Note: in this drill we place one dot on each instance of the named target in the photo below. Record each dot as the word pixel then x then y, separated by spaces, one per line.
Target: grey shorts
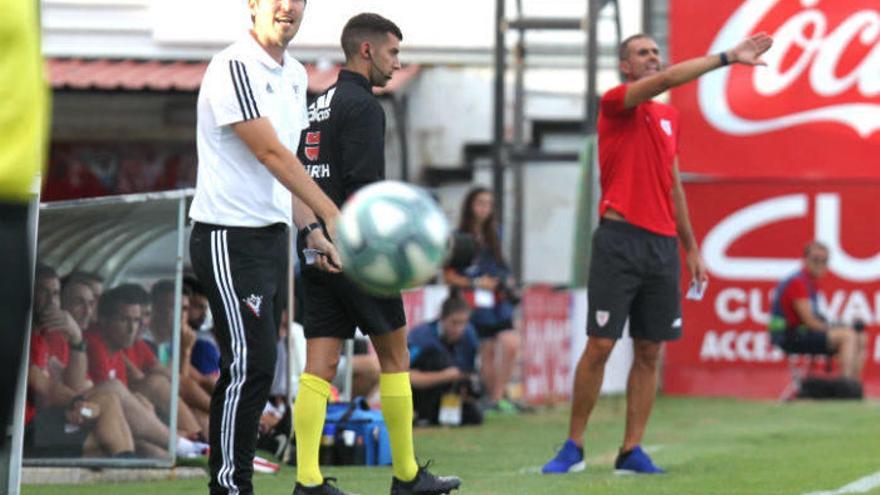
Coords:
pixel 634 274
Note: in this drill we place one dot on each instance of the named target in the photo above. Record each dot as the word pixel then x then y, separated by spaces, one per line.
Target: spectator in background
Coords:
pixel 205 357
pixel 443 357
pixel 195 388
pixel 65 416
pixel 148 363
pixel 488 282
pixel 118 324
pixel 797 326
pixel 70 177
pixel 78 299
pixel 95 282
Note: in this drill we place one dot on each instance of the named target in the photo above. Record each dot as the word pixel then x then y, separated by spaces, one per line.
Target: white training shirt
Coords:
pixel 243 82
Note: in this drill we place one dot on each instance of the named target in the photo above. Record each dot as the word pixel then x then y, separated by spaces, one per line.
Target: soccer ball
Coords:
pixel 391 236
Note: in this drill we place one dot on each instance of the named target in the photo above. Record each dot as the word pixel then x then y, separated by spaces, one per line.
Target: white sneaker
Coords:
pixel 189 449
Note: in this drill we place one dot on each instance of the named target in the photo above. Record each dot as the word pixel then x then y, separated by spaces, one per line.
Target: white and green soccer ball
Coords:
pixel 391 236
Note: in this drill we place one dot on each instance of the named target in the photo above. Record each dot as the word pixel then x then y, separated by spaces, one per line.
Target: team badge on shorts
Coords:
pixel 602 317
pixel 253 302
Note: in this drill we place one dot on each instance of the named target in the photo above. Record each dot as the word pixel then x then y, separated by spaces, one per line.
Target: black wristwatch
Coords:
pixel 79 347
pixel 305 231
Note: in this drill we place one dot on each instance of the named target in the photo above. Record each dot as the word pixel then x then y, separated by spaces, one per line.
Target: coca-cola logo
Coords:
pixel 824 67
pixel 827 224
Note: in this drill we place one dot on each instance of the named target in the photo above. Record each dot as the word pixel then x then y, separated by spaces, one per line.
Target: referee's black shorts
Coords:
pixel 634 273
pixel 333 307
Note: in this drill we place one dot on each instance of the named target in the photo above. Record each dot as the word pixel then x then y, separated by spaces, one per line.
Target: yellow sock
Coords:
pixel 309 412
pixel 397 408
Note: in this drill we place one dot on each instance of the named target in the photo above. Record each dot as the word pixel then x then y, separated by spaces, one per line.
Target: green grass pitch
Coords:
pixel 708 446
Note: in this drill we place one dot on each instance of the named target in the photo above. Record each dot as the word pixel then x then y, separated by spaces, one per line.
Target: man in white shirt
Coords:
pixel 251 111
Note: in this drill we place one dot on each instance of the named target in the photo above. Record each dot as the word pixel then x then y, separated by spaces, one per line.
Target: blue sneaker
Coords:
pixel 636 461
pixel 569 459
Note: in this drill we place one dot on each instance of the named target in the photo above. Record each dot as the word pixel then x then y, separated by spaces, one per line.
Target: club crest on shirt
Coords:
pixel 602 317
pixel 313 149
pixel 253 302
pixel 666 125
pixel 269 88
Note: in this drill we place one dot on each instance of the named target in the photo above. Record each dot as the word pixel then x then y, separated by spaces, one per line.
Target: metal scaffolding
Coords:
pixel 514 154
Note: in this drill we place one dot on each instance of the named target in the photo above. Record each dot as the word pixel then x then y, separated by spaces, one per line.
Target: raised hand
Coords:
pixel 58 320
pixel 749 50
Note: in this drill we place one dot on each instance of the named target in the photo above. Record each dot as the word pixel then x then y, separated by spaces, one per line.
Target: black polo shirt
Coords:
pixel 344 147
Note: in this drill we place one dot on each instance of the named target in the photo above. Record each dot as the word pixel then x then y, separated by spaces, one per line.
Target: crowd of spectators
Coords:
pixel 100 373
pixel 96 384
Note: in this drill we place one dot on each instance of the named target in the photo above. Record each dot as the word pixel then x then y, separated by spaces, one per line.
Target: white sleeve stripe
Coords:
pixel 244 111
pixel 247 93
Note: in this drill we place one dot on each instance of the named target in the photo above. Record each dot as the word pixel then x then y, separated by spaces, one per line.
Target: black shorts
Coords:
pixel 634 274
pixel 49 435
pixel 333 307
pixel 796 341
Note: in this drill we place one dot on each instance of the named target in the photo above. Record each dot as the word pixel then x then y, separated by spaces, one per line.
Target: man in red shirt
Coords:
pixel 634 272
pixel 797 326
pixel 119 320
pixel 78 299
pixel 65 416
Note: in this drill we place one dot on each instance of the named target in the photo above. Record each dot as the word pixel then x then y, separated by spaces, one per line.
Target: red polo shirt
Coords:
pixel 801 286
pixel 141 355
pixel 45 346
pixel 637 149
pixel 104 364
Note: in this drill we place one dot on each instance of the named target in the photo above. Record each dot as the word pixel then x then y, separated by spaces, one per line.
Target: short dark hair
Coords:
pixel 363 26
pixel 67 284
pixel 814 245
pixel 453 304
pixel 126 294
pixel 42 271
pixel 83 276
pixel 137 292
pixel 623 50
pixel 191 283
pixel 161 288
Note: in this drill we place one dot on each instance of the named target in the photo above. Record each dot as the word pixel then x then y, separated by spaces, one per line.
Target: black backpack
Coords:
pixel 830 388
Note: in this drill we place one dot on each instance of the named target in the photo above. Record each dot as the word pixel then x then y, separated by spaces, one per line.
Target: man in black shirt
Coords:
pixel 343 150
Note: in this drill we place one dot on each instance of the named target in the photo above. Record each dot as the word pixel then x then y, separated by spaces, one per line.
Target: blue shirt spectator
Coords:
pixel 427 338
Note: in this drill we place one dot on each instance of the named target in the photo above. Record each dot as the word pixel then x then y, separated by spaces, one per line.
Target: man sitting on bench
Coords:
pixel 797 326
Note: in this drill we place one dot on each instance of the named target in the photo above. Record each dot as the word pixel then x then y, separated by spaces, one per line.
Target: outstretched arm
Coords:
pixel 748 52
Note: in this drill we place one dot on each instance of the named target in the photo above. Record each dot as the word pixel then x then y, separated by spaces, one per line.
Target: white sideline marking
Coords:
pixel 861 485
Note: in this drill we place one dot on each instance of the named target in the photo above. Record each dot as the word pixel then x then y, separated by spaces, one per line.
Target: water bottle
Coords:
pixel 345 451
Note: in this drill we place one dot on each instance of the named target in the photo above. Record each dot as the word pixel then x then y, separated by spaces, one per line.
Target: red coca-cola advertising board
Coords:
pixel 752 234
pixel 812 112
pixel 546 344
